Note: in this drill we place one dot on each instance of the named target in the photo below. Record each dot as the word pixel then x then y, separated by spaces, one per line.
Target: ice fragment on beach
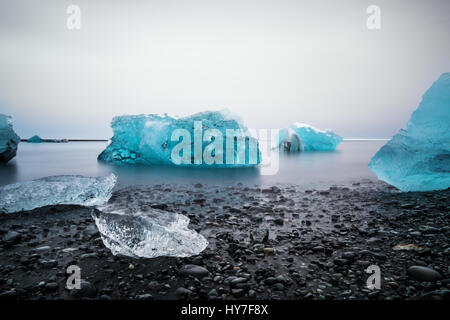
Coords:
pixel 303 137
pixel 8 139
pixel 77 190
pixel 418 158
pixel 146 232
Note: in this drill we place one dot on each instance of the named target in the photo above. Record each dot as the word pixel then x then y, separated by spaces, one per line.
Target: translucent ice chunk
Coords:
pixel 146 232
pixel 8 139
pixel 303 137
pixel 78 190
pixel 418 158
pixel 147 139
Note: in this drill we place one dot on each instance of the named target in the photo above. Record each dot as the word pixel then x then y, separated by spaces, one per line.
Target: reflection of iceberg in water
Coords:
pixel 8 173
pixel 303 137
pixel 144 175
pixel 132 228
pixel 418 158
pixel 77 190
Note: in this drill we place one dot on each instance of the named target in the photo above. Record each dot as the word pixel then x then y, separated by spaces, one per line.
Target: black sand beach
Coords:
pixel 274 243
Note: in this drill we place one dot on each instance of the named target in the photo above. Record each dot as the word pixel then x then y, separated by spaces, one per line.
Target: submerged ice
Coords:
pixel 303 137
pixel 77 190
pixel 418 158
pixel 153 139
pixel 146 232
pixel 9 140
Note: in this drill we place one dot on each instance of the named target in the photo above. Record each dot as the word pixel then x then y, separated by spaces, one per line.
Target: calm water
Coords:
pixel 316 169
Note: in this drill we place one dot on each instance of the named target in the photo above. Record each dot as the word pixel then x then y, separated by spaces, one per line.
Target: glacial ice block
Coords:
pixel 418 158
pixel 147 139
pixel 77 190
pixel 146 232
pixel 303 137
pixel 9 140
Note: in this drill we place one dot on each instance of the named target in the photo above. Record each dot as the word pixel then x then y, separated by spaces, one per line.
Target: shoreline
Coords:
pixel 319 244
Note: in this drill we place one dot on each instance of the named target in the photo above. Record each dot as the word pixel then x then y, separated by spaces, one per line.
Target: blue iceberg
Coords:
pixel 418 158
pixel 37 139
pixel 77 190
pixel 9 140
pixel 205 139
pixel 303 137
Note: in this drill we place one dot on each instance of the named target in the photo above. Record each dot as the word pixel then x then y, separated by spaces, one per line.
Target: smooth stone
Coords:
pixel 424 274
pixel 193 270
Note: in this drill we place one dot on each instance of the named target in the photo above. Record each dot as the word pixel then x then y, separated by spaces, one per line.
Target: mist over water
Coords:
pixel 346 165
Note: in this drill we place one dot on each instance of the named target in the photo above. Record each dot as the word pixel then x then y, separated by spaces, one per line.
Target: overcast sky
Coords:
pixel 272 62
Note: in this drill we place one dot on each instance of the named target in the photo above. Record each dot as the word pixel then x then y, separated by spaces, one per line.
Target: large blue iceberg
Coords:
pixel 77 190
pixel 418 158
pixel 9 140
pixel 205 139
pixel 303 137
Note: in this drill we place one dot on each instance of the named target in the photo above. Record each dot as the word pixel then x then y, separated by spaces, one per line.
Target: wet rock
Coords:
pixel 51 286
pixel 259 235
pixel 279 286
pixel 443 294
pixel 43 249
pixel 49 263
pixel 146 296
pixel 11 238
pixel 213 293
pixel 237 292
pixel 183 292
pixel 91 231
pixel 269 251
pixel 424 274
pixel 193 270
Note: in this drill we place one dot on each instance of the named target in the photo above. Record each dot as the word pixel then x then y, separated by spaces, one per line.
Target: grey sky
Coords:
pixel 272 62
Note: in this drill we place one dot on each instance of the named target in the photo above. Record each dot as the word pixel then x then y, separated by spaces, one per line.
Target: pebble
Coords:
pixel 424 274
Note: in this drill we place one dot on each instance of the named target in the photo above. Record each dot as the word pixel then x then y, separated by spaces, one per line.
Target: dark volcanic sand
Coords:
pixel 319 245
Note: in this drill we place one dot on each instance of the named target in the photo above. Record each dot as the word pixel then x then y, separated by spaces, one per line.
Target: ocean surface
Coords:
pixel 346 165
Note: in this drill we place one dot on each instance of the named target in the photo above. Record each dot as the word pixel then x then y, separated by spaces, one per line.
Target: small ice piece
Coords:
pixel 35 139
pixel 76 190
pixel 147 139
pixel 8 139
pixel 418 158
pixel 146 232
pixel 303 137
